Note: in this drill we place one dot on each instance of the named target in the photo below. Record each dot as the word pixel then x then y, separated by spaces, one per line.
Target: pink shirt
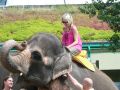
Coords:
pixel 68 38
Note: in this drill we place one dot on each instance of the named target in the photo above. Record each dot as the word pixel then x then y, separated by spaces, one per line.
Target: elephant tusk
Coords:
pixel 21 74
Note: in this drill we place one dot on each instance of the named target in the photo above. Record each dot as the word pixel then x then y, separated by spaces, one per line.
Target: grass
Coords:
pixel 21 30
pixel 21 25
pixel 92 34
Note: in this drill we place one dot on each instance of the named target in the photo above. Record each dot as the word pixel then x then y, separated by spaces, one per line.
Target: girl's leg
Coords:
pixel 74 51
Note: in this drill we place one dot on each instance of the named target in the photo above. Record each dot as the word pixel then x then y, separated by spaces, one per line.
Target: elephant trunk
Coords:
pixel 9 61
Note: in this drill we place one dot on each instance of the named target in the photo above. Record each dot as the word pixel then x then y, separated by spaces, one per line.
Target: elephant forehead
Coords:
pixel 48 60
pixel 46 42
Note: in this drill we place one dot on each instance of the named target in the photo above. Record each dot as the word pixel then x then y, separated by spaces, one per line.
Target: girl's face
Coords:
pixel 65 22
pixel 9 82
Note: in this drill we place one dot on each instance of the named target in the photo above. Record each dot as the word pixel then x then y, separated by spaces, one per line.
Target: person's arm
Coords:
pixel 75 82
pixel 75 32
pixel 63 40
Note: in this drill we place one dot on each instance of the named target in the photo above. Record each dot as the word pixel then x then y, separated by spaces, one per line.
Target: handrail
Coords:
pixel 90 46
pixel 94 46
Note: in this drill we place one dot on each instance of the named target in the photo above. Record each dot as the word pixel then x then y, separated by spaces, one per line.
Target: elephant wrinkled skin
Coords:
pixel 43 61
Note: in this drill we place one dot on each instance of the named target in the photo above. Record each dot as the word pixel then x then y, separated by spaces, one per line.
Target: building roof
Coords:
pixel 2 2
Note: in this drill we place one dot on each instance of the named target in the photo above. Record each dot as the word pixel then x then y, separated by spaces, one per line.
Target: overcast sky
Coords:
pixel 46 2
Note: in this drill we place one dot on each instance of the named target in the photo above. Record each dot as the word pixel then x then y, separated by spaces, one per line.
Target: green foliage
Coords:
pixel 108 12
pixel 21 30
pixel 92 34
pixel 21 25
pixel 88 9
pixel 114 42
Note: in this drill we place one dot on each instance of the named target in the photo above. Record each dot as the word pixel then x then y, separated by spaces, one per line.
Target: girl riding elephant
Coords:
pixel 70 36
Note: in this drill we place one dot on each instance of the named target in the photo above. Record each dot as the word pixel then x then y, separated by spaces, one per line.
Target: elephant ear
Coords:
pixel 62 65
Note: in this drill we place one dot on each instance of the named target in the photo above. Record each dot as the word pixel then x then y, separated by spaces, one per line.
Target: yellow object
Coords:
pixel 82 58
pixel 83 53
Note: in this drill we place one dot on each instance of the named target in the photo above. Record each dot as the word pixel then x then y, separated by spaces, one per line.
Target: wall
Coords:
pixel 107 60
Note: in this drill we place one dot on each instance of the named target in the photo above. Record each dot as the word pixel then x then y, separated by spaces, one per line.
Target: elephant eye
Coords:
pixel 36 56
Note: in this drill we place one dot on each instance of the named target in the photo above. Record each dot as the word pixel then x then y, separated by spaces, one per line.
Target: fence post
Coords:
pixel 97 63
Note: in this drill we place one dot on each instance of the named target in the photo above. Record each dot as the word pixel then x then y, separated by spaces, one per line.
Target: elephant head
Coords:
pixel 41 59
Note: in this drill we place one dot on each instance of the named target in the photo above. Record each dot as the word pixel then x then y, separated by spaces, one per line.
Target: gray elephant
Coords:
pixel 3 73
pixel 43 61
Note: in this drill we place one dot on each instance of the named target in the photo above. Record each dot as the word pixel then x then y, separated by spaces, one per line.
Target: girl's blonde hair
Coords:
pixel 67 17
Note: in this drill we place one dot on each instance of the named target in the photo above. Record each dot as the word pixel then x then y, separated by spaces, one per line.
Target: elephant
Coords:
pixel 4 73
pixel 42 61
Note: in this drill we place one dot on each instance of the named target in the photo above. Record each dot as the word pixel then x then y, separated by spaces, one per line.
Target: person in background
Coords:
pixel 7 83
pixel 70 36
pixel 87 83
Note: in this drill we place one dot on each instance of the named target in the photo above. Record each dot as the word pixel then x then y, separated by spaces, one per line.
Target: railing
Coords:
pixel 90 46
pixel 94 46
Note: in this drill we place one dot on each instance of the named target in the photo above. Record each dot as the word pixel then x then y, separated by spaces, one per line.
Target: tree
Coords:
pixel 109 12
